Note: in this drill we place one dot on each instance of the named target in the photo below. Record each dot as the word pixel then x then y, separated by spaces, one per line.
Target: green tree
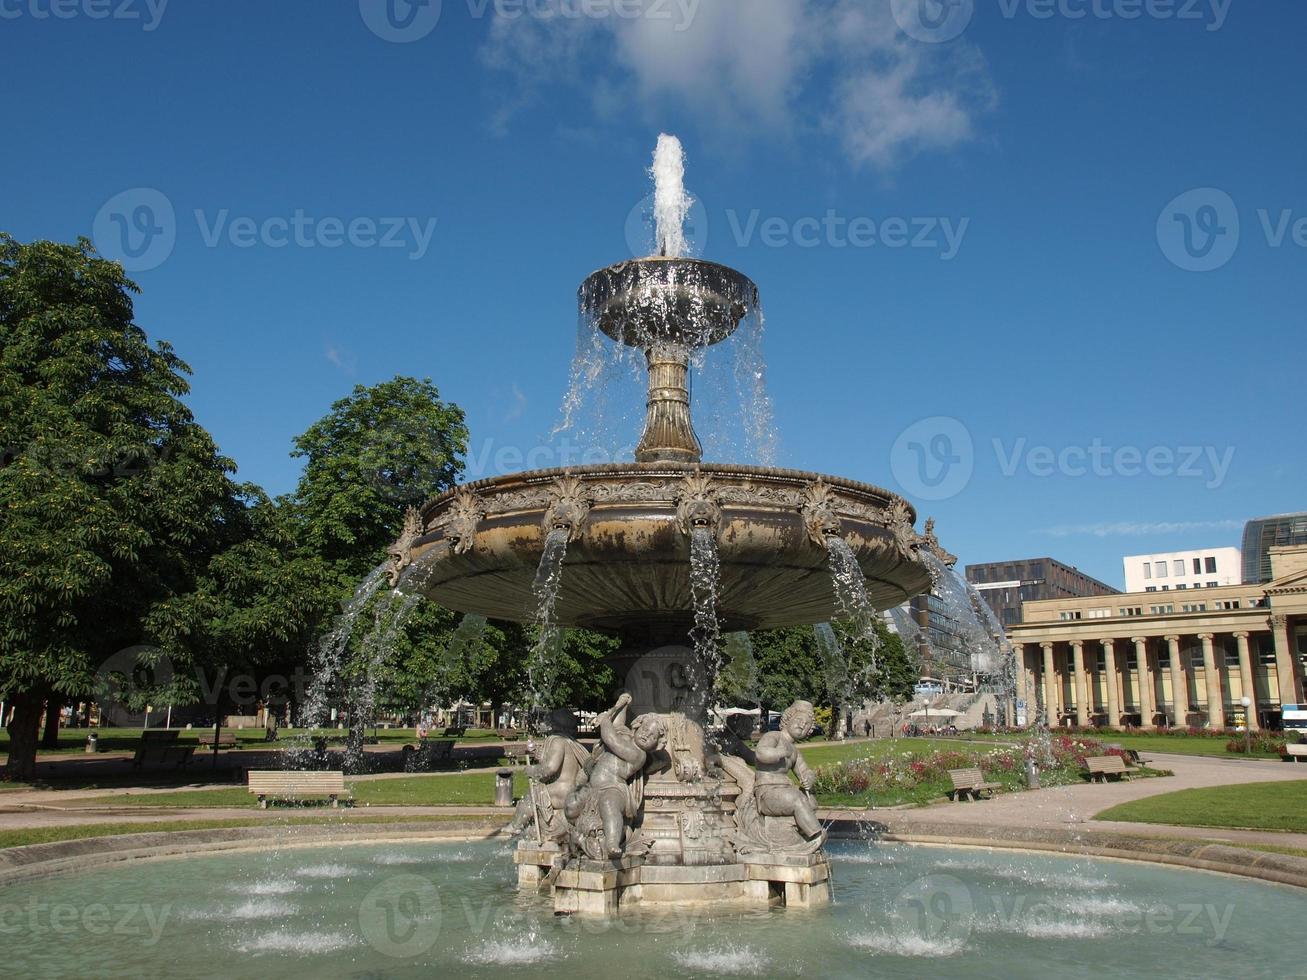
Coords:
pixel 113 497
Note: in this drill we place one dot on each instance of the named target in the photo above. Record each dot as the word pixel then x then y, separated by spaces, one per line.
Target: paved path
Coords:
pixel 1066 807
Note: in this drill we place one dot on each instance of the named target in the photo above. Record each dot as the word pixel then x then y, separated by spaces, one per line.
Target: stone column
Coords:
pixel 1147 708
pixel 1050 687
pixel 1113 701
pixel 1284 665
pixel 1246 680
pixel 1179 686
pixel 1081 687
pixel 1212 671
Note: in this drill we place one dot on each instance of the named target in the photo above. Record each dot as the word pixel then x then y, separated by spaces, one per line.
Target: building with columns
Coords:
pixel 1152 659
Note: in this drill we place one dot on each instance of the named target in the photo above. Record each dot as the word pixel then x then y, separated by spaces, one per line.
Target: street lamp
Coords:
pixel 1246 701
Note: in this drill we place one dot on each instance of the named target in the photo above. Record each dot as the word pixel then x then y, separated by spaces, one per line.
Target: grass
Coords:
pixel 456 789
pixel 825 753
pixel 47 835
pixel 1248 806
pixel 1144 742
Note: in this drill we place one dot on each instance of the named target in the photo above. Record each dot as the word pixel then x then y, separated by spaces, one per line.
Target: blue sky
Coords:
pixel 1078 356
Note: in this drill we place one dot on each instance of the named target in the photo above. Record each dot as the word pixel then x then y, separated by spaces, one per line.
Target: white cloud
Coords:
pixel 1137 529
pixel 342 358
pixel 754 66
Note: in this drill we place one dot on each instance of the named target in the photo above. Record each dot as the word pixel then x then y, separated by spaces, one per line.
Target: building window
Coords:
pixel 1232 658
pixel 1198 567
pixel 1211 585
pixel 1164 659
pixel 1148 569
pixel 1150 588
pixel 1211 565
pixel 1196 659
pixel 1178 566
pixel 1132 611
pixel 1182 586
pixel 1161 610
pixel 1160 569
pixel 1100 662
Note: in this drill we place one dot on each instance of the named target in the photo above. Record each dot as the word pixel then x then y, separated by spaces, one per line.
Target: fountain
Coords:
pixel 668 553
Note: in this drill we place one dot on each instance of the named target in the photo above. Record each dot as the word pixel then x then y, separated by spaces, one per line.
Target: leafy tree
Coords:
pixel 113 497
pixel 382 449
pixel 789 667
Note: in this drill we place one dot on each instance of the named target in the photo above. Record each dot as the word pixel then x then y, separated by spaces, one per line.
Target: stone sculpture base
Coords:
pixel 585 887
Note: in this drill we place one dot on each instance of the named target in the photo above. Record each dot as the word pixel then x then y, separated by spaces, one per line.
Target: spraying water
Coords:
pixel 671 202
pixel 851 600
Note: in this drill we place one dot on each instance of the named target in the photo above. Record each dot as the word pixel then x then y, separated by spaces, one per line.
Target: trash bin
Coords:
pixel 504 787
pixel 92 743
pixel 1032 774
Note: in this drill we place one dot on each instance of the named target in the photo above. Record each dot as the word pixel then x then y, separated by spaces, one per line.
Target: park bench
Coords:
pixel 507 734
pixel 1294 751
pixel 970 782
pixel 518 753
pixel 161 747
pixel 1101 768
pixel 427 754
pixel 226 740
pixel 295 785
pixel 455 731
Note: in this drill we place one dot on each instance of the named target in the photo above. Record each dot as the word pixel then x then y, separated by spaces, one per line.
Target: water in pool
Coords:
pixel 436 910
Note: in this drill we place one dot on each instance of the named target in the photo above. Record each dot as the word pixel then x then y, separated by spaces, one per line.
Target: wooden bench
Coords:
pixel 295 785
pixel 160 746
pixel 1295 751
pixel 517 753
pixel 970 782
pixel 507 734
pixel 1101 768
pixel 455 731
pixel 226 740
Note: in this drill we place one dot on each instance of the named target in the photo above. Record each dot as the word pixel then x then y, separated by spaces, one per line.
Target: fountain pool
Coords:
pixel 418 909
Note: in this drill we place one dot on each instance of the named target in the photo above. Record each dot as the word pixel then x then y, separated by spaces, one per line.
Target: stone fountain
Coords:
pixel 663 810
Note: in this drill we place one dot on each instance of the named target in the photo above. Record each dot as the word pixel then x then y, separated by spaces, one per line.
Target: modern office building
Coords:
pixel 1007 584
pixel 1170 571
pixel 1261 534
pixel 1187 658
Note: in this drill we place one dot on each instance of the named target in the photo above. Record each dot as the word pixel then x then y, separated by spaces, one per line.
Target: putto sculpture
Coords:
pixel 665 553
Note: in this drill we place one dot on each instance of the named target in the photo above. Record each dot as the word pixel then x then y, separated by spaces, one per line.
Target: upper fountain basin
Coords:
pixel 476 549
pixel 669 300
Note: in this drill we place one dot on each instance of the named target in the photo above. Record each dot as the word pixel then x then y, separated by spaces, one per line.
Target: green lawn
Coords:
pixel 455 789
pixel 1251 806
pixel 825 753
pixel 46 835
pixel 1143 742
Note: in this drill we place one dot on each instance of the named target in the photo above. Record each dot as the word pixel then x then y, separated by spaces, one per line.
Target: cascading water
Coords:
pixel 851 600
pixel 391 613
pixel 546 656
pixel 705 572
pixel 839 682
pixel 738 680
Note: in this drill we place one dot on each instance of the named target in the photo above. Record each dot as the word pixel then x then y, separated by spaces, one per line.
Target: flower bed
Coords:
pixel 921 776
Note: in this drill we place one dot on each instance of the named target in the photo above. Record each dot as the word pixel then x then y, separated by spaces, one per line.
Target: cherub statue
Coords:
pixel 560 760
pixel 609 793
pixel 776 754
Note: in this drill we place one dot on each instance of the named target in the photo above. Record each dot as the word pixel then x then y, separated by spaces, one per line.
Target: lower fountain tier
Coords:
pixel 477 549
